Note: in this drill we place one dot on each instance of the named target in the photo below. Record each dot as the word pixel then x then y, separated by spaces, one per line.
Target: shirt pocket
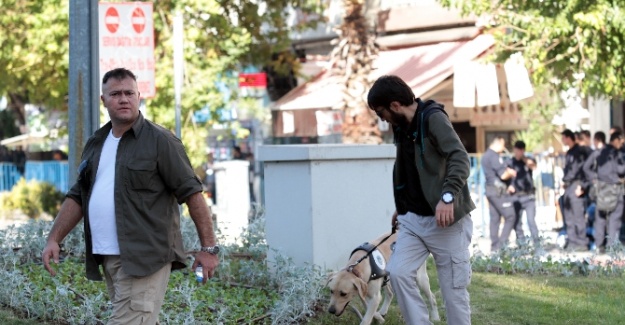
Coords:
pixel 141 173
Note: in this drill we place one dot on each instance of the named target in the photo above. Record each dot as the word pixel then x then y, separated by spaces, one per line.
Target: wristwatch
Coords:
pixel 447 197
pixel 214 250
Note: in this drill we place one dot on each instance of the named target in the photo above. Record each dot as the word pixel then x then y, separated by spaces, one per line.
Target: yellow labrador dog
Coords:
pixel 367 279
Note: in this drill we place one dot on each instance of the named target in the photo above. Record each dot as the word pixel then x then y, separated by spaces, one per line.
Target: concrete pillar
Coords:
pixel 232 205
pixel 322 201
pixel 599 109
pixel 617 113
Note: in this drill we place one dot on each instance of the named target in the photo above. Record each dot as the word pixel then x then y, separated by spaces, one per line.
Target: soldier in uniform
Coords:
pixel 500 202
pixel 598 140
pixel 619 129
pixel 573 202
pixel 522 188
pixel 607 167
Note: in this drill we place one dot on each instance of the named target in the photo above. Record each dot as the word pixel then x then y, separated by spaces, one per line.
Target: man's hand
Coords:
pixel 508 174
pixel 511 189
pixel 394 221
pixel 444 214
pixel 51 250
pixel 579 191
pixel 208 262
pixel 68 217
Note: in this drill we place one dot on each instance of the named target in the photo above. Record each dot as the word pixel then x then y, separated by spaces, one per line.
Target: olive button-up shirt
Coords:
pixel 153 176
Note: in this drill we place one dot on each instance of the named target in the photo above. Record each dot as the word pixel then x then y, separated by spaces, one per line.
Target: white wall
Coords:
pixel 233 197
pixel 599 118
pixel 322 201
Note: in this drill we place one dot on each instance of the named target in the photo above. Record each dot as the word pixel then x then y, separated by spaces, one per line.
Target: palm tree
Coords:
pixel 352 61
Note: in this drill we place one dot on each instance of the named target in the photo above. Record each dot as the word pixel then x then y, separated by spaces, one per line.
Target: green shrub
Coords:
pixel 246 287
pixel 32 198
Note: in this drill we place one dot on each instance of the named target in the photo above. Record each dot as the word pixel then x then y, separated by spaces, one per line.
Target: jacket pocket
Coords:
pixel 140 174
pixel 460 270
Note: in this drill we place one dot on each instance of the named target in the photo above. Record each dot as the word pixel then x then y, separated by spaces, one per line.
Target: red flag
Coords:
pixel 253 80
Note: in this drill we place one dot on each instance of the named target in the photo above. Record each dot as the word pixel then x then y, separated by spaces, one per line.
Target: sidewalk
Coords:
pixel 545 218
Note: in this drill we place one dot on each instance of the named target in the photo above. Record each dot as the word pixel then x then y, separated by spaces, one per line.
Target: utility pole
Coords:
pixel 84 75
pixel 178 68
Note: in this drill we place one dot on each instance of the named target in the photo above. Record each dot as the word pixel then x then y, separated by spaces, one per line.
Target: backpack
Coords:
pixel 428 108
pixel 423 128
pixel 604 195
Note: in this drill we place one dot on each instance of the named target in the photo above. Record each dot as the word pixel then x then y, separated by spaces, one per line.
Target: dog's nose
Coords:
pixel 332 310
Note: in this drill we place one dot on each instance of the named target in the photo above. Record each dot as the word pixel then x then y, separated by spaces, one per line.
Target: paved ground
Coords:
pixel 545 217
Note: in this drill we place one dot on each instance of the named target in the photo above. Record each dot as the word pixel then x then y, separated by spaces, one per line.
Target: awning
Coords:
pixel 24 140
pixel 421 67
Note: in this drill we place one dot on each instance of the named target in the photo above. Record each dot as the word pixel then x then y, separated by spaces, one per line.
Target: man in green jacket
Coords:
pixel 432 200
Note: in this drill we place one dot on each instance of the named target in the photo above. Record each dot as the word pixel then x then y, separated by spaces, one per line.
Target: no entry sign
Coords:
pixel 127 41
pixel 111 20
pixel 138 20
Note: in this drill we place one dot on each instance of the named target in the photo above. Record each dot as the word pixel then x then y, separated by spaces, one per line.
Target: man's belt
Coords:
pixel 569 183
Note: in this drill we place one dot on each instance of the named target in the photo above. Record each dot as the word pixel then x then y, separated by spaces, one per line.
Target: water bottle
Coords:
pixel 199 275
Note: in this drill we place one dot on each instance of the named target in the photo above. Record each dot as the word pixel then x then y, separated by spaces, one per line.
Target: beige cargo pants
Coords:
pixel 136 300
pixel 418 236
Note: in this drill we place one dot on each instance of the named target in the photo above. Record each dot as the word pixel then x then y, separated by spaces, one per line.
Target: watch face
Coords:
pixel 447 197
pixel 215 250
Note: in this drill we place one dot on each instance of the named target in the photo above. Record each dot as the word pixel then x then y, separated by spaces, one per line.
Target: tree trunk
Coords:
pixel 352 60
pixel 17 104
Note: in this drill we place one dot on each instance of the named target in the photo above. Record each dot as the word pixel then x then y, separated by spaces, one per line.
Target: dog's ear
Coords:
pixel 361 286
pixel 330 277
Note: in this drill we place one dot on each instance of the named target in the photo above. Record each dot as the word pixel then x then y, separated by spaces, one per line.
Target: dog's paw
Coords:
pixel 378 317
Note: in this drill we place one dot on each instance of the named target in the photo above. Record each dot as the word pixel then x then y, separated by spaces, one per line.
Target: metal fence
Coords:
pixel 53 172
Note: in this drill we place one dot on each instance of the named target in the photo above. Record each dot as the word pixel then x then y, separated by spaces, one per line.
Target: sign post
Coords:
pixel 178 69
pixel 84 80
pixel 127 41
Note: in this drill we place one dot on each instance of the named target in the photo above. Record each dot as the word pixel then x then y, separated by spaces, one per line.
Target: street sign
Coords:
pixel 127 41
pixel 138 20
pixel 253 80
pixel 111 20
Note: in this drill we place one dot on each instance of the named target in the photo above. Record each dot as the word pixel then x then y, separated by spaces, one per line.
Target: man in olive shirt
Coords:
pixel 133 175
pixel 432 200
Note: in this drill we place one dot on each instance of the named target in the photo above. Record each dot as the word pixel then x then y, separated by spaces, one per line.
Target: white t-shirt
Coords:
pixel 102 202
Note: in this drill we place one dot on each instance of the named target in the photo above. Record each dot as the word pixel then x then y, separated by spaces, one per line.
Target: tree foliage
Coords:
pixel 575 43
pixel 220 38
pixel 34 53
pixel 539 111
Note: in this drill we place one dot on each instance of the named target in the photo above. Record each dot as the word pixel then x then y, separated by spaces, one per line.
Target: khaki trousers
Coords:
pixel 418 236
pixel 136 300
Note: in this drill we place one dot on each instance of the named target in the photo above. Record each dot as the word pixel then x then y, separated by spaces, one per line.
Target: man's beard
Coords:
pixel 398 120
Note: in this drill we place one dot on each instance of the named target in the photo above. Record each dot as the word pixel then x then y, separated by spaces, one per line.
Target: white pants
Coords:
pixel 418 236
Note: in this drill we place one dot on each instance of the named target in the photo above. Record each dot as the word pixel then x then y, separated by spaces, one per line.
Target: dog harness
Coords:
pixel 376 260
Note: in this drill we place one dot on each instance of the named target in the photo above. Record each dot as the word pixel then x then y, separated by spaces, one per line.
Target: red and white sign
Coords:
pixel 127 41
pixel 111 20
pixel 253 80
pixel 138 20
